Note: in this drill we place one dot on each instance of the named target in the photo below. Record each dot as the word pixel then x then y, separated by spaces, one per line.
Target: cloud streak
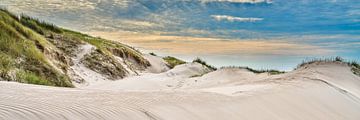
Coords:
pixel 187 45
pixel 241 1
pixel 235 19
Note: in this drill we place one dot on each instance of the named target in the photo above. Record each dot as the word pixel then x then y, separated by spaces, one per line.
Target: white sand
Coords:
pixel 323 91
pixel 80 71
pixel 154 81
pixel 158 65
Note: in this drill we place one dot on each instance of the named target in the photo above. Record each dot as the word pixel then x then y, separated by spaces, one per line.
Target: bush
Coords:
pixel 153 54
pixel 198 60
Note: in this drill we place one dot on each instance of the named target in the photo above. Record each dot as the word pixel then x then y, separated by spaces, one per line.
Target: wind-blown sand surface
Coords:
pixel 323 90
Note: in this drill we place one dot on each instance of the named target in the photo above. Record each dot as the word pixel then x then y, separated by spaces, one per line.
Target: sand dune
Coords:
pixel 323 90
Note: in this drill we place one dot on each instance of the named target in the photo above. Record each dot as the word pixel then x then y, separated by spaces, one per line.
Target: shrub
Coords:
pixel 153 54
pixel 198 60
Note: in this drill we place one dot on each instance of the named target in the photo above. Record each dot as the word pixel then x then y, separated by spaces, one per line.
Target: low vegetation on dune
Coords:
pixel 315 60
pixel 35 52
pixel 22 55
pixel 198 60
pixel 105 65
pixel 355 66
pixel 269 71
pixel 172 61
pixel 110 48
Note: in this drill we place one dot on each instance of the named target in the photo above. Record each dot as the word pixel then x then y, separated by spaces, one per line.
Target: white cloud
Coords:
pixel 235 19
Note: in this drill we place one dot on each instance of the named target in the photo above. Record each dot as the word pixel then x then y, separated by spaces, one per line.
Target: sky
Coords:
pixel 263 34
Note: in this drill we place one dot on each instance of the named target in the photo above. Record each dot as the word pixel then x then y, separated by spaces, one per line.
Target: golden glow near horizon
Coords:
pixel 208 46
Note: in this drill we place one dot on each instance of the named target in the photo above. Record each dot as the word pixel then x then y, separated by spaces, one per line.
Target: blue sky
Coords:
pixel 262 34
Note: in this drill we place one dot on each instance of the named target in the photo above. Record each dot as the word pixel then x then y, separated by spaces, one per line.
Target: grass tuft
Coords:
pixel 39 26
pixel 172 61
pixel 32 78
pixel 355 67
pixel 198 60
pixel 269 71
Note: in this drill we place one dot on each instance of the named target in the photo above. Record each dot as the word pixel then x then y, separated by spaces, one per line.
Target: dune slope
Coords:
pixel 317 91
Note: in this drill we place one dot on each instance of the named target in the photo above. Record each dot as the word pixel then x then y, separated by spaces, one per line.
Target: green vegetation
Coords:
pixel 21 49
pixel 40 27
pixel 311 61
pixel 96 60
pixel 110 48
pixel 153 54
pixel 198 60
pixel 355 67
pixel 172 61
pixel 269 71
pixel 315 60
pixel 36 52
pixel 6 64
pixel 32 78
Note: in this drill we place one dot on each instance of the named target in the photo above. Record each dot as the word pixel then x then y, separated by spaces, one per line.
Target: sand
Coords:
pixel 325 91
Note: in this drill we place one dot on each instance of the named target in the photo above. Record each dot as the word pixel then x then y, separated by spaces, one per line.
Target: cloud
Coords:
pixel 188 45
pixel 235 19
pixel 240 1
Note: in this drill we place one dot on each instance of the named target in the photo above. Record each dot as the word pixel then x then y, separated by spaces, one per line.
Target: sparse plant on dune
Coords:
pixel 269 71
pixel 153 54
pixel 172 61
pixel 198 60
pixel 355 67
pixel 314 60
